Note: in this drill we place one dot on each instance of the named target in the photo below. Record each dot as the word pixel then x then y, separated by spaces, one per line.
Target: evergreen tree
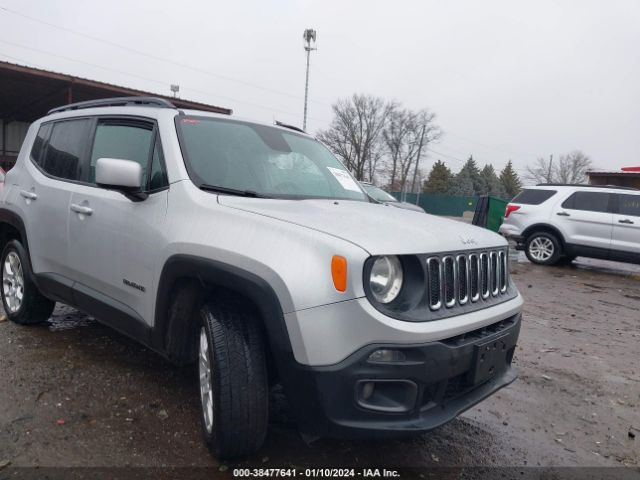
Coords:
pixel 462 184
pixel 491 183
pixel 440 178
pixel 472 171
pixel 510 181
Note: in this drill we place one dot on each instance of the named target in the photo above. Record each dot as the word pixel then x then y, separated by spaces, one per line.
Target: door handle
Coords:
pixel 626 220
pixel 563 214
pixel 28 195
pixel 81 209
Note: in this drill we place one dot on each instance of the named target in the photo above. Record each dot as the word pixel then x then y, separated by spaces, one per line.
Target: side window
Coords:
pixel 588 201
pixel 158 176
pixel 40 143
pixel 64 151
pixel 124 141
pixel 629 205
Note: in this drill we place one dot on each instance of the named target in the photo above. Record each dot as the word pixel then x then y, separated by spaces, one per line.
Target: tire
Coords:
pixel 543 248
pixel 22 301
pixel 232 362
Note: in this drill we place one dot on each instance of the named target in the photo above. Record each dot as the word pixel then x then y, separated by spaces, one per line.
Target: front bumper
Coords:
pixel 436 382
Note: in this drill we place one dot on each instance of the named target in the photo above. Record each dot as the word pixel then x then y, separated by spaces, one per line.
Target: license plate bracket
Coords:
pixel 490 358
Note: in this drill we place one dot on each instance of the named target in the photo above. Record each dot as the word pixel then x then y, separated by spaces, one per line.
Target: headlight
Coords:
pixel 386 278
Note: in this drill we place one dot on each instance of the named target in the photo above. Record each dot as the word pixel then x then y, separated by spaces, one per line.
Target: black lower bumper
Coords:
pixel 431 385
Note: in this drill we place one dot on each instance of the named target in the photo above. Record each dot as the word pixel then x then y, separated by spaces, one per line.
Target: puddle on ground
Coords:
pixel 69 321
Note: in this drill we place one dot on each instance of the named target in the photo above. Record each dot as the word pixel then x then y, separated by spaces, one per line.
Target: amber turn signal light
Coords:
pixel 339 272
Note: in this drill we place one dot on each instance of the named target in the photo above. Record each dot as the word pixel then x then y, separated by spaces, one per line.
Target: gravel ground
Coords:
pixel 75 393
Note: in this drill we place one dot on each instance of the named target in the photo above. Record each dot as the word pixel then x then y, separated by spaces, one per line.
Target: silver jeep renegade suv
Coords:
pixel 250 250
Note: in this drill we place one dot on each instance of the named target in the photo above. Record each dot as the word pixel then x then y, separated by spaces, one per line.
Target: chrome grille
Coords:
pixel 455 280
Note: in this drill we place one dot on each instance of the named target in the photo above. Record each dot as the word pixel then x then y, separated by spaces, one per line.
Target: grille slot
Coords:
pixel 434 283
pixel 474 273
pixel 449 273
pixel 504 265
pixel 494 270
pixel 463 279
pixel 484 275
pixel 455 280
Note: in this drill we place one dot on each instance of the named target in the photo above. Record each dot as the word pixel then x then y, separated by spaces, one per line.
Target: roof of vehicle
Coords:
pixel 573 186
pixel 149 106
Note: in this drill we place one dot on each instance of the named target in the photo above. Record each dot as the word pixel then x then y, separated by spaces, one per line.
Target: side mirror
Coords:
pixel 123 175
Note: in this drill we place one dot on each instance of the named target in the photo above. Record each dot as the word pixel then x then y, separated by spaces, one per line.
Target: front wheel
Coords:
pixel 233 379
pixel 22 301
pixel 543 248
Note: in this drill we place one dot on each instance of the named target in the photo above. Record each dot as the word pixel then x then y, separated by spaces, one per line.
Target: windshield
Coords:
pixel 378 194
pixel 256 160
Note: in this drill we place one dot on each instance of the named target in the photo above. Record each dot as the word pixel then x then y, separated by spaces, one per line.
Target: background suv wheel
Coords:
pixel 543 248
pixel 21 299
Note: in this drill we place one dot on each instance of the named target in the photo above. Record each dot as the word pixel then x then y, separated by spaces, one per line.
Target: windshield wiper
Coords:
pixel 232 191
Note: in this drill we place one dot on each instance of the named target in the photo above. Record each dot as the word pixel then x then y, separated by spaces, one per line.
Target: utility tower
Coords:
pixel 309 37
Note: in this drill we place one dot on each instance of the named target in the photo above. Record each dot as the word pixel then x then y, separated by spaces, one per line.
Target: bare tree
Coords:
pixel 540 171
pixel 355 133
pixel 570 168
pixel 406 137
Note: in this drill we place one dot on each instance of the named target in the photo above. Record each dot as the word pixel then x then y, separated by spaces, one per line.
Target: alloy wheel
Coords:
pixel 12 282
pixel 204 369
pixel 541 249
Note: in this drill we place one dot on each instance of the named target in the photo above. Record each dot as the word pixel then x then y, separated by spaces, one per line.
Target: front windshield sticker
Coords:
pixel 343 177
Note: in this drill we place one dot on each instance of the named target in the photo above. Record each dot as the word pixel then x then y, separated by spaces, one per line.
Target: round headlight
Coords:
pixel 386 279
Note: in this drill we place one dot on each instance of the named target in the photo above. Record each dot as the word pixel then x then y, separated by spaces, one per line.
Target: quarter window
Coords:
pixel 40 143
pixel 65 149
pixel 588 201
pixel 629 205
pixel 158 175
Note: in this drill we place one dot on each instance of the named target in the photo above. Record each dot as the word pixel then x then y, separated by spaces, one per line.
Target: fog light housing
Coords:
pixel 387 355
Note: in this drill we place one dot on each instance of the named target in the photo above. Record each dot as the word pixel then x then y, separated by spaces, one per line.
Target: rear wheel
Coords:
pixel 233 379
pixel 543 248
pixel 22 301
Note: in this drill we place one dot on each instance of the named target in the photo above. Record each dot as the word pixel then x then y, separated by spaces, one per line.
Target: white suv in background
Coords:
pixel 554 223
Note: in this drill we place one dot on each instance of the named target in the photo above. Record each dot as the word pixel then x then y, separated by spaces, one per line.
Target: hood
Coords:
pixel 407 206
pixel 379 229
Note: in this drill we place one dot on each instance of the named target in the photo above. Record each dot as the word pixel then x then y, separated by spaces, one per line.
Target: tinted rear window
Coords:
pixel 629 205
pixel 533 197
pixel 588 201
pixel 64 151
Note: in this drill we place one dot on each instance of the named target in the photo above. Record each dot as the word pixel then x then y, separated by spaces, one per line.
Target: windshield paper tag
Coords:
pixel 346 181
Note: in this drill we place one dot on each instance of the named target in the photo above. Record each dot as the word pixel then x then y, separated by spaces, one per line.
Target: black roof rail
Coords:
pixel 584 185
pixel 115 102
pixel 290 127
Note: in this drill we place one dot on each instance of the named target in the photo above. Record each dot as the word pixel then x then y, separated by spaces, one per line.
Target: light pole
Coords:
pixel 309 37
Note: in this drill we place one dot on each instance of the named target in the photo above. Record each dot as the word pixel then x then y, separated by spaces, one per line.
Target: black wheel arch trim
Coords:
pixel 11 218
pixel 214 273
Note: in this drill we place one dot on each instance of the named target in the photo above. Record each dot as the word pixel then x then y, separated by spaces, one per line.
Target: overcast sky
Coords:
pixel 507 79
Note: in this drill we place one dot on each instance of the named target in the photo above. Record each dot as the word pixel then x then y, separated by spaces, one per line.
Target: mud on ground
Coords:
pixel 75 393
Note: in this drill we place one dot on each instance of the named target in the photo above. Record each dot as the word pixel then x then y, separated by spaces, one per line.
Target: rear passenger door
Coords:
pixel 114 247
pixel 586 219
pixel 626 223
pixel 50 176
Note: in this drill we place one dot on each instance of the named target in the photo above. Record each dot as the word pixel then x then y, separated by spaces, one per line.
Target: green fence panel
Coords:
pixel 437 204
